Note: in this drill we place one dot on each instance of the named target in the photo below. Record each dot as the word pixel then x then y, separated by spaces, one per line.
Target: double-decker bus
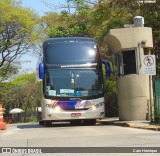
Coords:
pixel 72 78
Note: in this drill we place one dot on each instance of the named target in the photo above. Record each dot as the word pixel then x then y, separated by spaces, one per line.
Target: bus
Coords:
pixel 72 80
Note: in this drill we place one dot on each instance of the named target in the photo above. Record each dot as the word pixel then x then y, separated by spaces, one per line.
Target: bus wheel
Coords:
pixel 89 122
pixel 47 123
pixel 75 122
pixel 41 122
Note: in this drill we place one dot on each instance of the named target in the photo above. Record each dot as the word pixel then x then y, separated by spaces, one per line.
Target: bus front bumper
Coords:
pixel 54 115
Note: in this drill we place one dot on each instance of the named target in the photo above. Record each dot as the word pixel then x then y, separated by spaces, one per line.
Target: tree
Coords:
pixel 71 25
pixel 68 24
pixel 7 72
pixel 17 31
pixel 20 93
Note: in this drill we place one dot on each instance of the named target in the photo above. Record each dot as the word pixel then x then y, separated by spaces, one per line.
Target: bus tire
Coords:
pixel 47 123
pixel 88 122
pixel 75 122
pixel 41 122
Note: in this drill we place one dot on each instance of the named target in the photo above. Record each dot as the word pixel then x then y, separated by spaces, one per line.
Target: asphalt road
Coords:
pixel 64 135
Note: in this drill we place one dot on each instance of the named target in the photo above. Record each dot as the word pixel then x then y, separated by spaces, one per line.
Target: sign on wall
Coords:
pixel 149 64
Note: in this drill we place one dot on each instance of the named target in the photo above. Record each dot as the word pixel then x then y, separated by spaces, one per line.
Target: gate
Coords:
pixel 157 100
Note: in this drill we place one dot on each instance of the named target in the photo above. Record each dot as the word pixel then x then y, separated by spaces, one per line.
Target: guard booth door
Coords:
pixel 157 100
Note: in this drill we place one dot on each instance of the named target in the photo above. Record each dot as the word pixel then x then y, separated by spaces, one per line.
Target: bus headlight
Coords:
pixel 93 107
pixel 57 108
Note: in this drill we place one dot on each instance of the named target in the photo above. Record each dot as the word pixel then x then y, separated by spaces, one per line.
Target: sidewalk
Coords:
pixel 134 124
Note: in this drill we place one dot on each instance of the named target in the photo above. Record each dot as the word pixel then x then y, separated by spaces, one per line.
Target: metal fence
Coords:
pixel 157 100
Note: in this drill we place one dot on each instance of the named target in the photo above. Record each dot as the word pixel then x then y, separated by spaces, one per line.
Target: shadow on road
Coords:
pixel 54 125
pixel 29 125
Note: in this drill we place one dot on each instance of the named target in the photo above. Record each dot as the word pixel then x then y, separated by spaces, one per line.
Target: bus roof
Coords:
pixel 68 39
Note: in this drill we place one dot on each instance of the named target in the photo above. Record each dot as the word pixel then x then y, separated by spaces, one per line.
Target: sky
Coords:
pixel 29 62
pixel 40 6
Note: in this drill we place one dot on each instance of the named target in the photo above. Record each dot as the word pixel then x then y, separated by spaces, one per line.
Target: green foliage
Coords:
pixel 21 93
pixel 17 30
pixel 110 87
pixel 32 118
pixel 66 24
pixel 105 17
pixel 24 79
pixel 78 30
pixel 8 71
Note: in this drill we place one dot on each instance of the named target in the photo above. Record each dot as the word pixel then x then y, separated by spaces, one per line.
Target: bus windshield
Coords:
pixel 73 82
pixel 70 53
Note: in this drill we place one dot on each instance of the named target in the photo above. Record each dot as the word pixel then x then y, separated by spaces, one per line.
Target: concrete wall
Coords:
pixel 124 38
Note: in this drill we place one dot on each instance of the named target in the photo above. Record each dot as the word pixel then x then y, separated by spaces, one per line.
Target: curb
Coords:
pixel 133 125
pixel 130 124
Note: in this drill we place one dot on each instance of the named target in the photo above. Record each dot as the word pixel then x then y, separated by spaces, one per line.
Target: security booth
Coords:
pixel 129 45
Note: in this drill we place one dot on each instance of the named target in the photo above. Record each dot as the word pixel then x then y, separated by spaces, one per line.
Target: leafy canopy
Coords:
pixel 17 30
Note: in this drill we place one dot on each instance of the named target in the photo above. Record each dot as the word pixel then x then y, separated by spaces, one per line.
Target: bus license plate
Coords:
pixel 75 114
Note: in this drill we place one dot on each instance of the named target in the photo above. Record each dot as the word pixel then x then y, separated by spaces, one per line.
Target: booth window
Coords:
pixel 126 63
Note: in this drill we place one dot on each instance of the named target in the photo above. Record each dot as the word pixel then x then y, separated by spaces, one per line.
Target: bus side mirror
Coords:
pixel 107 67
pixel 41 70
